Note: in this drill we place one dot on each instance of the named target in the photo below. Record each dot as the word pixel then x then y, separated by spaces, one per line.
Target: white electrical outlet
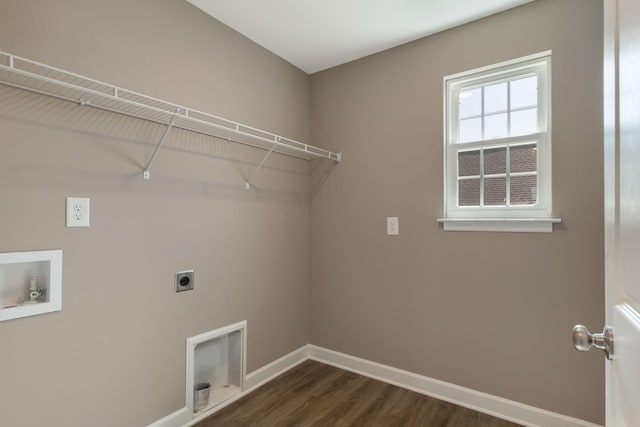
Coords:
pixel 77 212
pixel 392 226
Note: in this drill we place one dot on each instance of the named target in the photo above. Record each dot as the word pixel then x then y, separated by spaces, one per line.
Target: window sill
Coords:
pixel 513 225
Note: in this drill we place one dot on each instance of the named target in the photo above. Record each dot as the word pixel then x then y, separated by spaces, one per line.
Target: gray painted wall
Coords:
pixel 489 311
pixel 115 355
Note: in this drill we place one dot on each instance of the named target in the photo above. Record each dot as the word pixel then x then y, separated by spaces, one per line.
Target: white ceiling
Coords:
pixel 315 35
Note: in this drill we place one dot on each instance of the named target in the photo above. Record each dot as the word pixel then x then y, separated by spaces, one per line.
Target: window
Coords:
pixel 498 146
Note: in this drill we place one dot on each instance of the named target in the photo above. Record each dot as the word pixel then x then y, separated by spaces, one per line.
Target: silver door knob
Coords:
pixel 583 340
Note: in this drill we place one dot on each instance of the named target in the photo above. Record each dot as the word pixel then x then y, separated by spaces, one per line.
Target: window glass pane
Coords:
pixel 495 126
pixel 524 92
pixel 495 191
pixel 469 192
pixel 469 163
pixel 524 122
pixel 524 158
pixel 470 103
pixel 495 161
pixel 495 98
pixel 470 130
pixel 524 190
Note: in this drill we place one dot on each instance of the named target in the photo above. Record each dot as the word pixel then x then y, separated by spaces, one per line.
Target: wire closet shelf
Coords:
pixel 42 79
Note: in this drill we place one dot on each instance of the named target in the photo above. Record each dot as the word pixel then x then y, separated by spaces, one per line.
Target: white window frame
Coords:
pixel 535 217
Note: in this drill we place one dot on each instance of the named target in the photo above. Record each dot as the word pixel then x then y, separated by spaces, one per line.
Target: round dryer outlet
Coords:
pixel 184 280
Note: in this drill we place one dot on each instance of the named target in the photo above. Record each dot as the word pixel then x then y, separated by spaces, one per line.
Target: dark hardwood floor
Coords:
pixel 315 394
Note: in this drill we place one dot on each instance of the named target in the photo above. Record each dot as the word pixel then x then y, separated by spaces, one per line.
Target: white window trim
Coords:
pixel 520 225
pixel 536 218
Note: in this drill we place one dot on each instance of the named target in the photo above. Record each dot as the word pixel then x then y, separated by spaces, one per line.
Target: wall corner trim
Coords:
pixel 482 402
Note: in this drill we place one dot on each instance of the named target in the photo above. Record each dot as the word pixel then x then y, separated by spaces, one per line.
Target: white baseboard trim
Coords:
pixel 177 419
pixel 482 402
pixel 462 396
pixel 268 372
pixel 253 380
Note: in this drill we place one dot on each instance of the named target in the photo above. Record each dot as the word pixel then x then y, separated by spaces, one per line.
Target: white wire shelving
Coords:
pixel 43 79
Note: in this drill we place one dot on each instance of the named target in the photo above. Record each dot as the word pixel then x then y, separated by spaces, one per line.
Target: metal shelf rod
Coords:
pixel 275 138
pixel 111 110
pixel 181 117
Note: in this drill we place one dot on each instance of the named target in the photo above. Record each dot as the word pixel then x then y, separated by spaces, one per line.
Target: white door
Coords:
pixel 622 208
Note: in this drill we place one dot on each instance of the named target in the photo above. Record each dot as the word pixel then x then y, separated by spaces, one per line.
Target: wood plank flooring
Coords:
pixel 317 395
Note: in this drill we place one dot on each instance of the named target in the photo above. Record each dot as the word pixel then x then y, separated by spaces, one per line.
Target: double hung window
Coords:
pixel 498 142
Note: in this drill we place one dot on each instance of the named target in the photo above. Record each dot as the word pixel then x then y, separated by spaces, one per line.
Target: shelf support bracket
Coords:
pixel 155 151
pixel 247 185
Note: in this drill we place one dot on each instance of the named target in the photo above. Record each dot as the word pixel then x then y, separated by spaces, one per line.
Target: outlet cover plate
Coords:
pixel 392 226
pixel 77 212
pixel 184 281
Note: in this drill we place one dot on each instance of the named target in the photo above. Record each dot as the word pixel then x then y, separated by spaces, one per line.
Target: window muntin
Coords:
pixel 498 110
pixel 498 176
pixel 497 156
